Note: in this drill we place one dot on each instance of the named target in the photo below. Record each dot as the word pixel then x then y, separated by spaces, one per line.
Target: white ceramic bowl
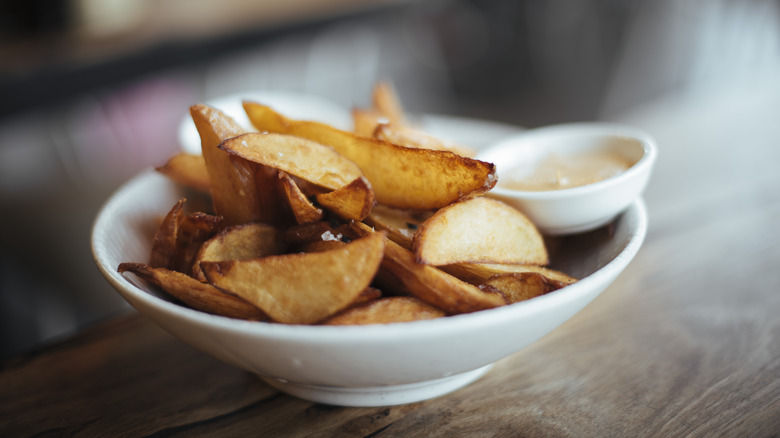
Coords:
pixel 576 209
pixel 358 366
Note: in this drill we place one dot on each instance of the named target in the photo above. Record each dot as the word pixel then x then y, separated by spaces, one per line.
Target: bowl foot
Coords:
pixel 379 395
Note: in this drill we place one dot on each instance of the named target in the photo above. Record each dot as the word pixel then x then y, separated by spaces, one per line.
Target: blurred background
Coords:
pixel 92 91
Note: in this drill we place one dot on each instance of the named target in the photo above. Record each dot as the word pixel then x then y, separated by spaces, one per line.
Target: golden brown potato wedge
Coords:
pixel 188 170
pixel 401 177
pixel 522 286
pixel 318 231
pixel 195 294
pixel 402 275
pixel 240 242
pixel 194 229
pixel 301 288
pixel 163 253
pixel 477 273
pixel 401 225
pixel 364 121
pixel 303 158
pixel 368 294
pixel 302 208
pixel 241 191
pixel 385 311
pixel 387 103
pixel 352 201
pixel 479 230
pixel 414 138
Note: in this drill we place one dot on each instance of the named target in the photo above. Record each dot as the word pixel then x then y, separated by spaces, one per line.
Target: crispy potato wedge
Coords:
pixel 188 170
pixel 521 286
pixel 386 102
pixel 414 138
pixel 368 294
pixel 318 231
pixel 321 245
pixel 401 177
pixel 385 311
pixel 365 121
pixel 401 274
pixel 302 208
pixel 400 225
pixel 302 288
pixel 194 229
pixel 479 230
pixel 163 253
pixel 195 294
pixel 478 273
pixel 240 242
pixel 352 201
pixel 303 158
pixel 240 191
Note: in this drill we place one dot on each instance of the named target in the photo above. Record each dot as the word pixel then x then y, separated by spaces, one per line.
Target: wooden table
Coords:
pixel 685 343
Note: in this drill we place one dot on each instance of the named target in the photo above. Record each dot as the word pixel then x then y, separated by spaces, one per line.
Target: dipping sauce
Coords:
pixel 555 172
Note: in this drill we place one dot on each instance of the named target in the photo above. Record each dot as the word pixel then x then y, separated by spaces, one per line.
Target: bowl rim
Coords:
pixel 346 334
pixel 642 166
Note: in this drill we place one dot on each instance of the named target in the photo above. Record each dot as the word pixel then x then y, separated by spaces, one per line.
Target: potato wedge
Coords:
pixel 477 273
pixel 401 177
pixel 163 253
pixel 402 275
pixel 414 138
pixel 195 294
pixel 301 288
pixel 194 229
pixel 240 242
pixel 365 121
pixel 401 225
pixel 352 201
pixel 385 311
pixel 188 170
pixel 303 158
pixel 387 103
pixel 302 208
pixel 522 286
pixel 241 191
pixel 479 230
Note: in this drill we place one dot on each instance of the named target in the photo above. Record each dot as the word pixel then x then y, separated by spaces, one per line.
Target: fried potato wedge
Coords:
pixel 401 225
pixel 195 294
pixel 414 138
pixel 188 170
pixel 194 229
pixel 303 210
pixel 385 311
pixel 240 242
pixel 401 274
pixel 305 159
pixel 479 230
pixel 163 253
pixel 352 201
pixel 302 288
pixel 240 191
pixel 365 121
pixel 387 103
pixel 521 286
pixel 401 177
pixel 478 273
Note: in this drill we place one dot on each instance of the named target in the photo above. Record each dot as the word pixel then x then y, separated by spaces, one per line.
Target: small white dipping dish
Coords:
pixel 581 208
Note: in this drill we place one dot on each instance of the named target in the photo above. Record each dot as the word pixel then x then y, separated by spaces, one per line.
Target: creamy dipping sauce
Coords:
pixel 555 172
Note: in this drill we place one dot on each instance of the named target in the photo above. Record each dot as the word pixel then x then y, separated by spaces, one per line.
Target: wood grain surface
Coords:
pixel 685 343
